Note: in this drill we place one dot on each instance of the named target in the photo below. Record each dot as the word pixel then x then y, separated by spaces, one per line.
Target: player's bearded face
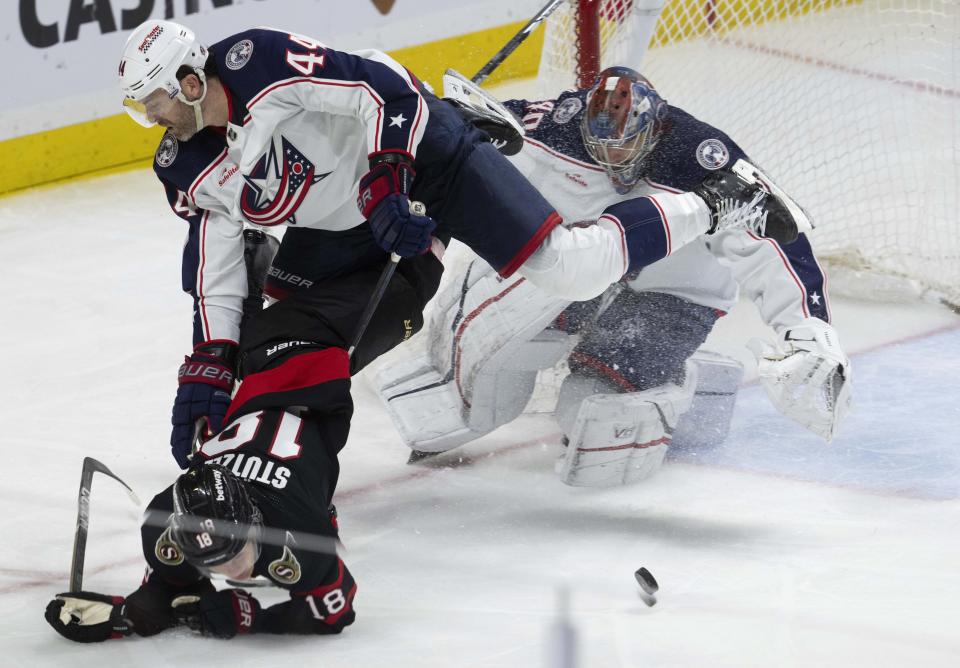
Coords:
pixel 241 566
pixel 171 113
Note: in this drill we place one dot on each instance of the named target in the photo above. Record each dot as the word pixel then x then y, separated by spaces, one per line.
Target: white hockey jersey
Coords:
pixel 303 120
pixel 786 283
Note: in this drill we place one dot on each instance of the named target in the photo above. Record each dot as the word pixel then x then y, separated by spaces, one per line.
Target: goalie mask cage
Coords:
pixel 850 105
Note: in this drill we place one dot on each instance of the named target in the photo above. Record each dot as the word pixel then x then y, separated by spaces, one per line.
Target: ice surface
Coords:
pixel 774 549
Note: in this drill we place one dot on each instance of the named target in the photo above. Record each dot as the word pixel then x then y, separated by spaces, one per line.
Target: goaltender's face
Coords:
pixel 241 566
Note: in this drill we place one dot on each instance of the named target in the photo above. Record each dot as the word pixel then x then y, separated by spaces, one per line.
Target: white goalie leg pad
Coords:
pixel 707 423
pixel 486 342
pixel 617 439
pixel 424 408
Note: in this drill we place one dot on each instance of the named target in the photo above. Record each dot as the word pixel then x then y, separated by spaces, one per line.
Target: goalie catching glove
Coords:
pixel 398 225
pixel 807 376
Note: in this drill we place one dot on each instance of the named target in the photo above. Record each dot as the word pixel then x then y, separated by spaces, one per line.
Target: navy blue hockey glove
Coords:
pixel 87 617
pixel 398 226
pixel 206 381
pixel 221 614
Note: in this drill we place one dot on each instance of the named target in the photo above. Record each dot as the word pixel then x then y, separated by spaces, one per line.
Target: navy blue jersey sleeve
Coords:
pixel 190 260
pixel 277 71
pixel 689 151
pixel 803 265
pixel 555 123
pixel 192 174
pixel 516 107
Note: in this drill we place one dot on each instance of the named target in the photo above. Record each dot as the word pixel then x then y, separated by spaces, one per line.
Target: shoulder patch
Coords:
pixel 567 110
pixel 167 151
pixel 167 551
pixel 712 154
pixel 239 54
pixel 286 569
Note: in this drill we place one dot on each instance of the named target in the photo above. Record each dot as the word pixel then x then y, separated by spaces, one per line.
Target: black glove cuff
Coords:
pixel 225 350
pixel 400 165
pixel 391 158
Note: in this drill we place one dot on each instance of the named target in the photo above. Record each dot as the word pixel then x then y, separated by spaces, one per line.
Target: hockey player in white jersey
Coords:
pixel 635 384
pixel 270 128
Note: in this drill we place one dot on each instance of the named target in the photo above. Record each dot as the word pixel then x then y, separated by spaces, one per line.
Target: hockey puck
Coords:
pixel 646 581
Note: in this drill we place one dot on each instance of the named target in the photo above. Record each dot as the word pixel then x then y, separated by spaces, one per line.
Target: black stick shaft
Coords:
pixel 516 41
pixel 90 466
pixel 374 302
pixel 83 521
pixel 478 78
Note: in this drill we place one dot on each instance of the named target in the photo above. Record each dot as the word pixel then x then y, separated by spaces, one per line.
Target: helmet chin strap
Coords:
pixel 197 112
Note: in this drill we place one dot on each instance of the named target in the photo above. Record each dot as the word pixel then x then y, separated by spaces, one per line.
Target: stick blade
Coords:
pixel 100 467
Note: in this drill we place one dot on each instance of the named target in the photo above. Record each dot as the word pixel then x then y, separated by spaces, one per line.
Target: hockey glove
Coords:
pixel 807 376
pixel 221 614
pixel 87 617
pixel 399 226
pixel 203 397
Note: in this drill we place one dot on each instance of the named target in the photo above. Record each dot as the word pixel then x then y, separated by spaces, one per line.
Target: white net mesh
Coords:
pixel 624 29
pixel 853 106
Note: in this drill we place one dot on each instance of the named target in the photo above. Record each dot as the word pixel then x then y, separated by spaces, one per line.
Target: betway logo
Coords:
pixel 218 485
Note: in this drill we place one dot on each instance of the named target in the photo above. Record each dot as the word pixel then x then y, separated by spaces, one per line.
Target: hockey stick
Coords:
pixel 90 466
pixel 477 78
pixel 516 41
pixel 375 298
pixel 418 209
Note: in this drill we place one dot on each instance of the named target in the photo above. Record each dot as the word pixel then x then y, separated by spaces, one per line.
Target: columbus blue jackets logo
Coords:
pixel 277 184
pixel 286 569
pixel 167 151
pixel 239 54
pixel 712 154
pixel 567 110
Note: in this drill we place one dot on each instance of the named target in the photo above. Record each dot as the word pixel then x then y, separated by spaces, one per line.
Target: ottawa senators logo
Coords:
pixel 286 569
pixel 167 551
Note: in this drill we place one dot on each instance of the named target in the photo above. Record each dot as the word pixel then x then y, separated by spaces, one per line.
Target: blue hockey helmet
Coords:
pixel 625 117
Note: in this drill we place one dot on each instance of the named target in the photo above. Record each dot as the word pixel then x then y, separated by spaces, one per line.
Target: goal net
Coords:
pixel 853 106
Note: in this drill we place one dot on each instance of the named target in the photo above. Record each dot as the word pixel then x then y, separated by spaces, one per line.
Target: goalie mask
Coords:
pixel 151 60
pixel 623 121
pixel 213 516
